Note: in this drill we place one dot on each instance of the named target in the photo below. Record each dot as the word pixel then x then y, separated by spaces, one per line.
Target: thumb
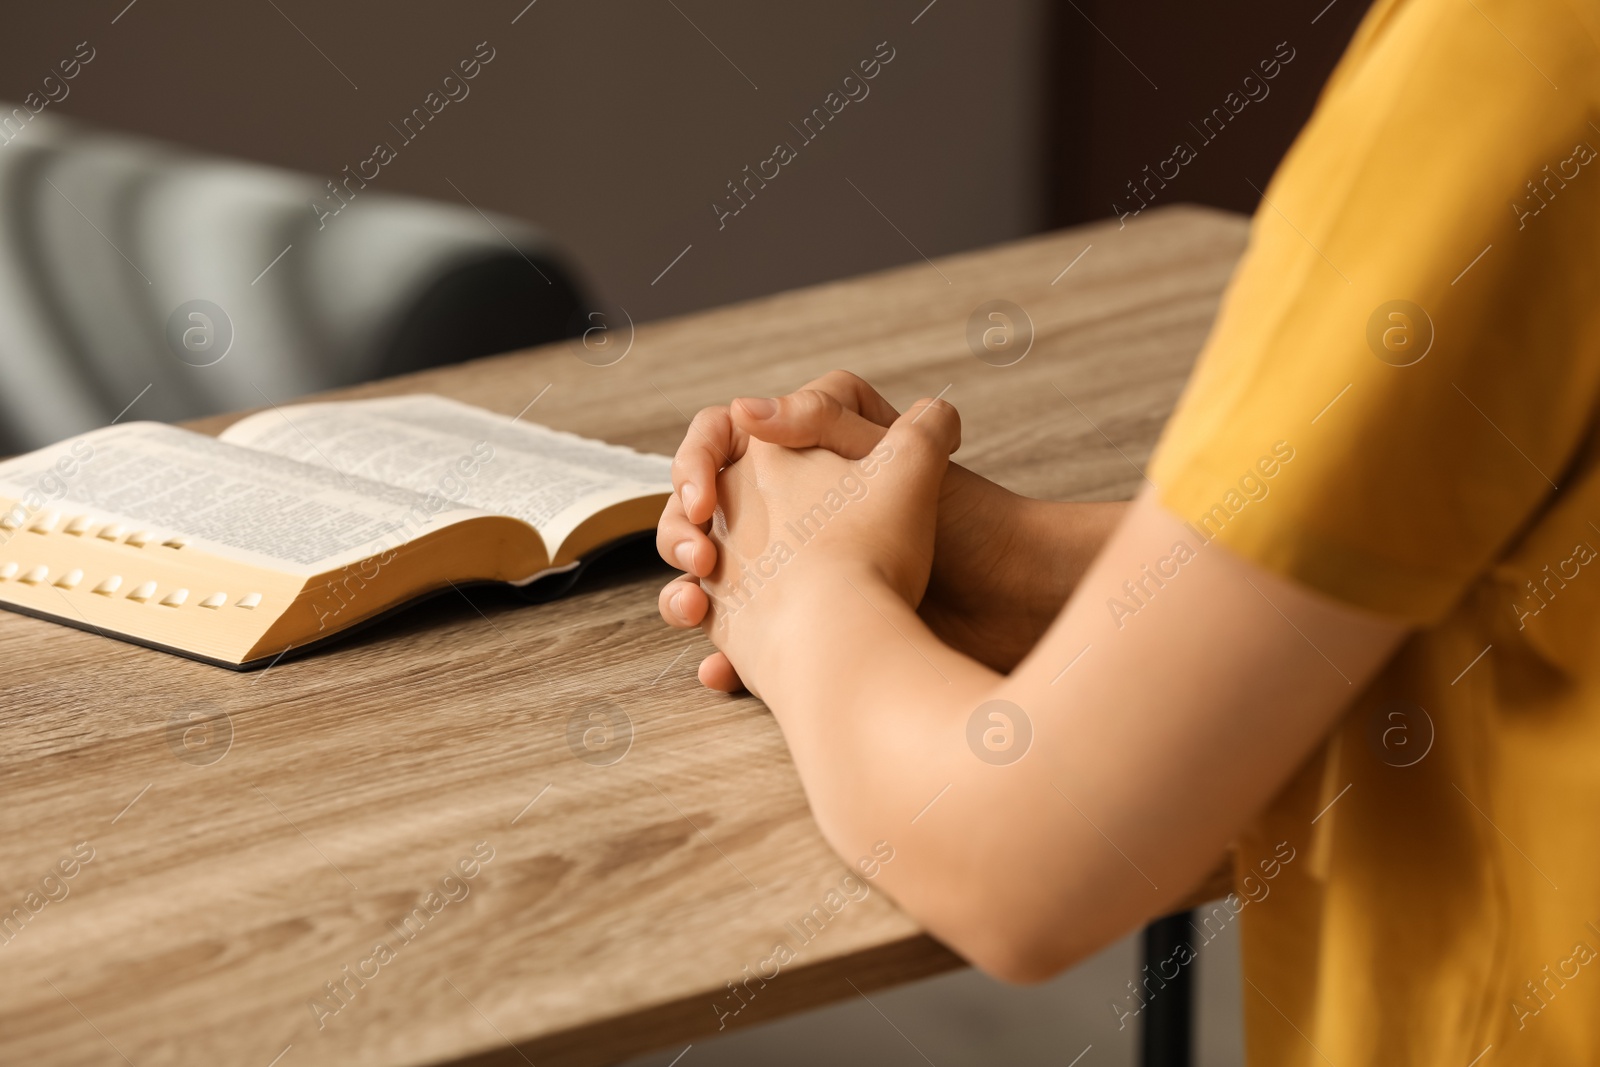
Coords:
pixel 808 418
pixel 911 462
pixel 928 428
pixel 920 443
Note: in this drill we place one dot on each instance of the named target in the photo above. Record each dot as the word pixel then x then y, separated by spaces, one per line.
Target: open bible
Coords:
pixel 299 523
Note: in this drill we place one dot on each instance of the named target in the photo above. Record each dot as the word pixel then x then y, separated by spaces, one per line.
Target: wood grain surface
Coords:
pixel 223 893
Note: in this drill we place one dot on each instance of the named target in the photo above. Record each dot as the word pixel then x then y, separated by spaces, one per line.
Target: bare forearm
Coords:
pixel 1005 565
pixel 1055 542
pixel 874 708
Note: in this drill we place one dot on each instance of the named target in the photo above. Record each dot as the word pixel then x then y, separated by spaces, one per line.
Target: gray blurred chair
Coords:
pixel 127 264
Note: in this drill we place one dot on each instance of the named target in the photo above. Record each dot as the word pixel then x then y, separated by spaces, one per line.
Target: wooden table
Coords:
pixel 620 899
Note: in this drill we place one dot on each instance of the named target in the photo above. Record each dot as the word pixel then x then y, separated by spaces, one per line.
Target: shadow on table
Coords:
pixel 631 562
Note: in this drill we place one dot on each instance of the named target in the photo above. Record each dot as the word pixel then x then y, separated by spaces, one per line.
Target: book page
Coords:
pixel 440 447
pixel 163 482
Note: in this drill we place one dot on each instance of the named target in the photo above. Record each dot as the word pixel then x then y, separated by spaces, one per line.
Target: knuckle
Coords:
pixel 705 423
pixel 815 405
pixel 664 544
pixel 840 378
pixel 933 424
pixel 853 389
pixel 692 456
pixel 685 466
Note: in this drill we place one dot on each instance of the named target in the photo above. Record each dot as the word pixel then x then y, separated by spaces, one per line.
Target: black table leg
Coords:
pixel 1167 1020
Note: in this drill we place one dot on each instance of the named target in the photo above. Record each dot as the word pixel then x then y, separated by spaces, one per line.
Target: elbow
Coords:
pixel 1028 938
pixel 1018 956
pixel 1012 930
pixel 1019 969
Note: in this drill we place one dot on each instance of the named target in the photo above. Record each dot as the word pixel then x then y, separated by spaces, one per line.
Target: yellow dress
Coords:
pixel 1416 327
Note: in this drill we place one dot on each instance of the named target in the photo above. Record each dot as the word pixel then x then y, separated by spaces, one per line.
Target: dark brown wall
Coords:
pixel 617 123
pixel 614 124
pixel 1131 78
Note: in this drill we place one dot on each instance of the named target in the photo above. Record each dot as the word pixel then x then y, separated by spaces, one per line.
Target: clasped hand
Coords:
pixel 823 492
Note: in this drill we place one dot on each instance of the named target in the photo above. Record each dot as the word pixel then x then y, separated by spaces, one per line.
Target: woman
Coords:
pixel 1350 628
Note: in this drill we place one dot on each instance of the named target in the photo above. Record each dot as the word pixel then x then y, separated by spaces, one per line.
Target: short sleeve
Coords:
pixel 1407 358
